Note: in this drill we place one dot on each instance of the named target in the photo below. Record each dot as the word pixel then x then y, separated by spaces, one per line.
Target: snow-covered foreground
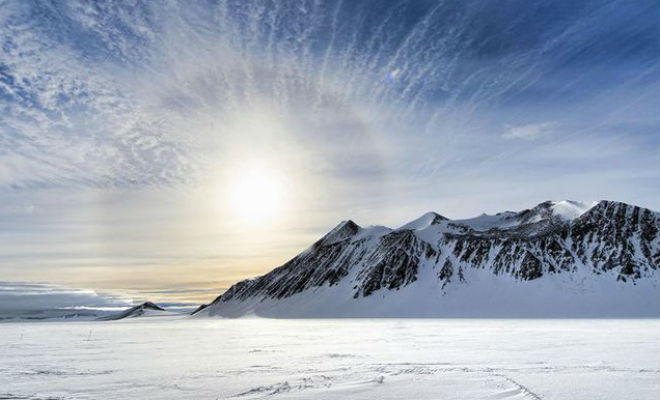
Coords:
pixel 344 359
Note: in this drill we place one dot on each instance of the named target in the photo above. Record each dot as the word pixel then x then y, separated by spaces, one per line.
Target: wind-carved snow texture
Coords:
pixel 245 359
pixel 557 259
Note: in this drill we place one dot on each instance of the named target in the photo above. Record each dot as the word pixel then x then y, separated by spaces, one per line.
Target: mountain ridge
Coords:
pixel 563 243
pixel 147 308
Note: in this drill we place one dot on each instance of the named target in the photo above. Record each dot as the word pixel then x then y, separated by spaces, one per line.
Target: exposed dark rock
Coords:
pixel 135 311
pixel 529 245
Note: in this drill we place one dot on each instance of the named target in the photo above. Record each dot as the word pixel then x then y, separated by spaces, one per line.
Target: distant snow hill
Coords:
pixel 147 309
pixel 559 259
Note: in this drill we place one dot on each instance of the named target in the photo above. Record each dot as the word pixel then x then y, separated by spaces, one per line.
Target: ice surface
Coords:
pixel 185 358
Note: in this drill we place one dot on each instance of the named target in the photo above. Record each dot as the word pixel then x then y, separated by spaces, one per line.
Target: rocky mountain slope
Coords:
pixel 556 259
pixel 147 309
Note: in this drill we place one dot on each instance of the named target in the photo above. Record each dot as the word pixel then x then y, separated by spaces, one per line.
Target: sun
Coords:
pixel 256 196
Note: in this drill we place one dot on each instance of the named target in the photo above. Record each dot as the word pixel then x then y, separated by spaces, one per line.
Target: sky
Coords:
pixel 164 150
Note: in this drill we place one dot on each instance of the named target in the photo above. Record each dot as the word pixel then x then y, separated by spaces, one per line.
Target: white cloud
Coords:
pixel 19 298
pixel 123 126
pixel 529 131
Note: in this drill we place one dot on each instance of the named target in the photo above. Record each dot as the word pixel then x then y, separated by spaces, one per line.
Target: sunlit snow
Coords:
pixel 164 358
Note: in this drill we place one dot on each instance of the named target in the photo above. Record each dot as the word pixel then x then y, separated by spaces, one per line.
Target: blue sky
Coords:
pixel 126 125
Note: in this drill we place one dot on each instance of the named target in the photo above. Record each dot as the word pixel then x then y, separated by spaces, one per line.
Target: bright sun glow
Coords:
pixel 256 196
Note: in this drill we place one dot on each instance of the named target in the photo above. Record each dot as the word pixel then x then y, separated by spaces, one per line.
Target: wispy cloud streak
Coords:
pixel 124 123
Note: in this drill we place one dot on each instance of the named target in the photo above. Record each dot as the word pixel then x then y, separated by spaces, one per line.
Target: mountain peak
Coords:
pixel 343 230
pixel 570 209
pixel 150 306
pixel 347 223
pixel 147 307
pixel 566 210
pixel 426 220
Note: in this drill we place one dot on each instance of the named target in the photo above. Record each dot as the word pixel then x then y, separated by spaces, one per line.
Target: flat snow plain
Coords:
pixel 183 358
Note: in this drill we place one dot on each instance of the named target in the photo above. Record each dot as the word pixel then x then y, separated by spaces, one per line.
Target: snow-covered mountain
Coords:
pixel 147 309
pixel 557 259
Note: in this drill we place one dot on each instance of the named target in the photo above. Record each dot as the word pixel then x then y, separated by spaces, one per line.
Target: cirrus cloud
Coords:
pixel 34 298
pixel 529 131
